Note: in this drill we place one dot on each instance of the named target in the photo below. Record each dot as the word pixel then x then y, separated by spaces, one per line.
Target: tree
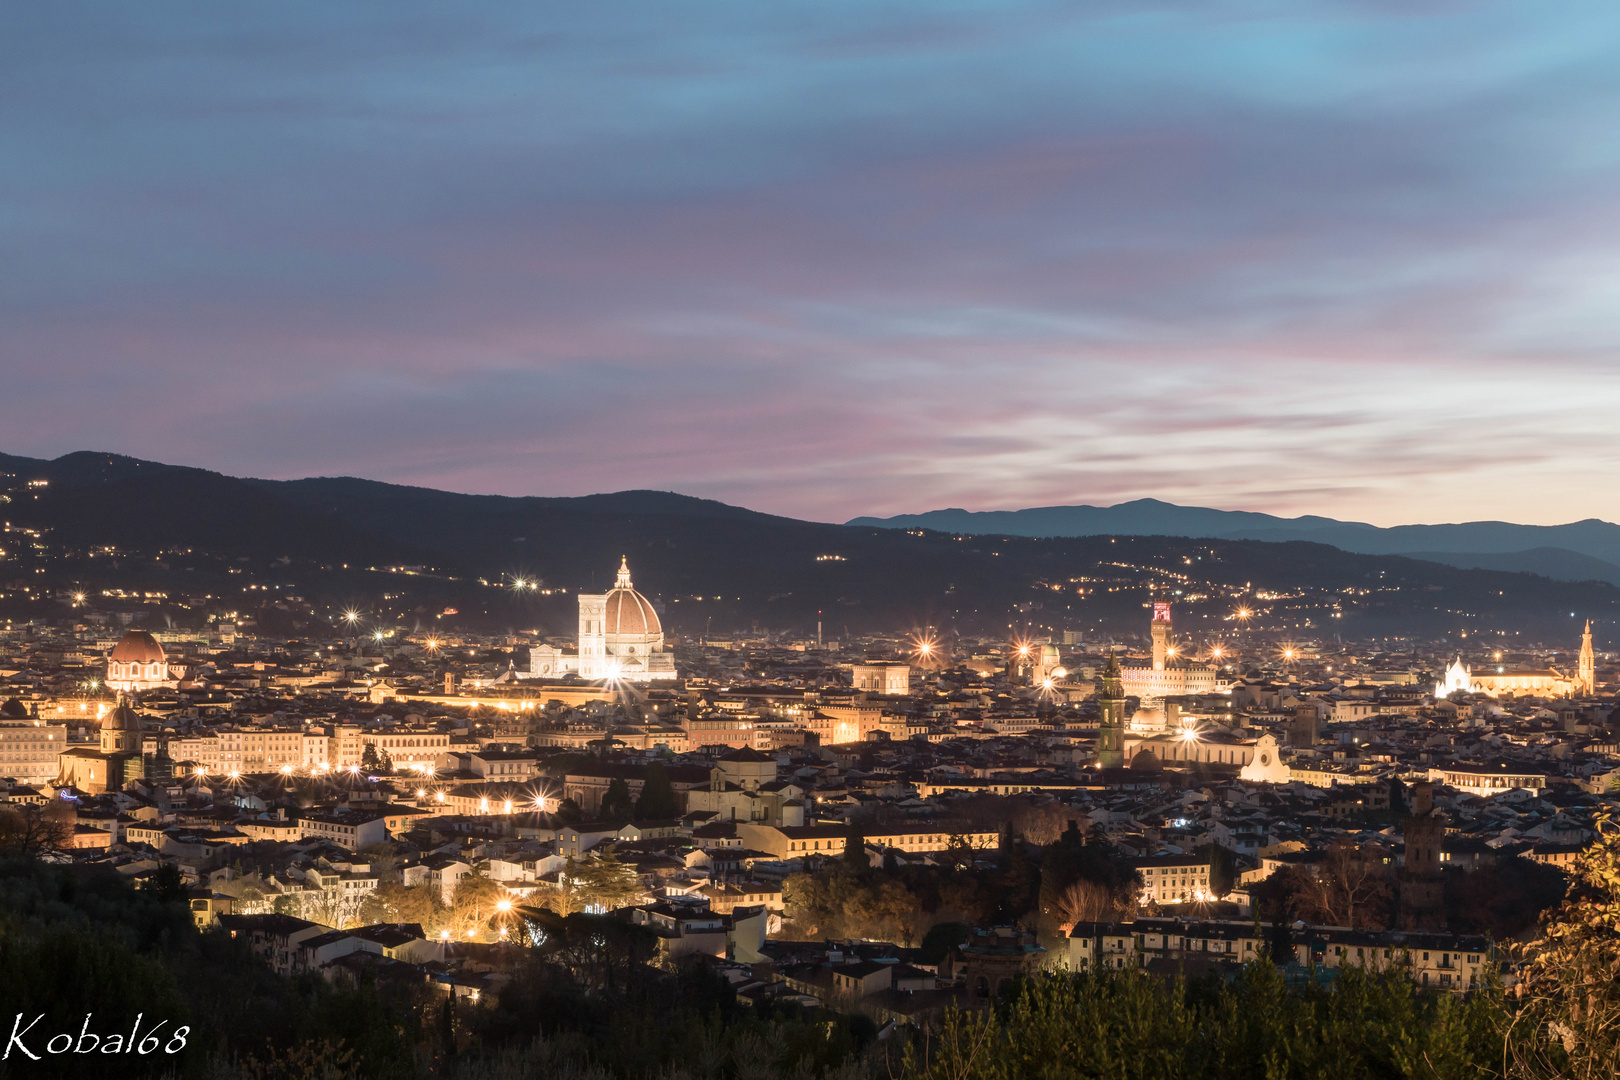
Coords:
pixel 617 807
pixel 568 898
pixel 855 848
pixel 473 902
pixel 1078 856
pixel 394 902
pixel 1017 883
pixel 1564 1019
pixel 942 938
pixel 607 883
pixel 369 761
pixel 1351 888
pixel 14 709
pixel 959 854
pixel 1503 899
pixel 337 907
pixel 1088 901
pixel 384 861
pixel 166 884
pixel 1223 874
pixel 657 801
pixel 31 830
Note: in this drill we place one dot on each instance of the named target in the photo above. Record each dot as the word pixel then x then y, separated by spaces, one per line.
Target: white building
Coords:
pixel 620 638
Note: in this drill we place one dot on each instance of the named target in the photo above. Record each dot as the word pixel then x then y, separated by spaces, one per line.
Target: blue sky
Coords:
pixel 827 259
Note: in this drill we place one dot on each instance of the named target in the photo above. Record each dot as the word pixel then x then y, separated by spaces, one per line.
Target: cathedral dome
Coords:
pixel 137 647
pixel 627 612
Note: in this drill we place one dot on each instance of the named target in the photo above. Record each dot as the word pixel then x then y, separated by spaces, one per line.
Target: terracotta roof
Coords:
pixel 137 647
pixel 628 612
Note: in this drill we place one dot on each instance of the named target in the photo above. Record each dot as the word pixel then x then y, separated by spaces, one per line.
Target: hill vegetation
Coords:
pixel 101 521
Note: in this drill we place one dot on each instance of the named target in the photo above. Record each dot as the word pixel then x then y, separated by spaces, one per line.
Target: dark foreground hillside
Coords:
pixel 587 999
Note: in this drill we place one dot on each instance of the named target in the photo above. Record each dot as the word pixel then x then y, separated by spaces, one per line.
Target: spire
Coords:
pixel 624 573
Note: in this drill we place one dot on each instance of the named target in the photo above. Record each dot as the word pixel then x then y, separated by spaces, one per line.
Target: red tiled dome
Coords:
pixel 137 647
pixel 628 612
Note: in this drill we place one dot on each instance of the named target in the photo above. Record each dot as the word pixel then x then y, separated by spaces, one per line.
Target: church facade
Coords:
pixel 1529 682
pixel 620 638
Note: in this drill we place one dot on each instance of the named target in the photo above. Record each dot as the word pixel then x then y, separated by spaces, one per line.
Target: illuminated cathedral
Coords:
pixel 1531 682
pixel 620 638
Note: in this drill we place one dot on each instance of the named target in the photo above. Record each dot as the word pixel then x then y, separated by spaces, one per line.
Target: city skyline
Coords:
pixel 1341 259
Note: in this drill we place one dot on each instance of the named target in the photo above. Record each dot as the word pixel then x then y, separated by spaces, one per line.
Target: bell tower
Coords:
pixel 1111 724
pixel 1586 674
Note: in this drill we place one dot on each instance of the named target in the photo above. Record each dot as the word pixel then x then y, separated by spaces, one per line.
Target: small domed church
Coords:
pixel 620 637
pixel 112 764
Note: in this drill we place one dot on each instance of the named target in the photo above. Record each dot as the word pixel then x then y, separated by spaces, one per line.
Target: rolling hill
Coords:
pixel 1579 551
pixel 111 526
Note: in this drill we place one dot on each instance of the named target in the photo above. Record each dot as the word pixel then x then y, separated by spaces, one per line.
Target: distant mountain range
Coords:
pixel 294 554
pixel 1580 551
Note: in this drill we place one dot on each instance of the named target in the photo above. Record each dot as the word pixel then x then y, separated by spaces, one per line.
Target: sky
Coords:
pixel 825 259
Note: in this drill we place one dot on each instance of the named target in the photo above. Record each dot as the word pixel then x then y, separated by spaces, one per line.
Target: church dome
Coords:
pixel 122 718
pixel 137 647
pixel 627 612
